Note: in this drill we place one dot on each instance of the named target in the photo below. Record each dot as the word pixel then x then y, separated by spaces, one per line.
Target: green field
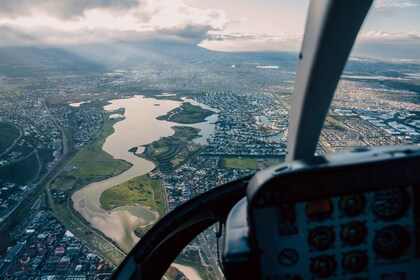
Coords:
pixel 88 165
pixel 187 114
pixel 170 151
pixel 91 163
pixel 332 123
pixel 22 171
pixel 10 94
pixel 140 190
pixel 248 163
pixel 8 134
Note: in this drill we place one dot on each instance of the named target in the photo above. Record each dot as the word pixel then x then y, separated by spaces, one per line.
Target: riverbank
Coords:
pixel 91 163
pixel 82 167
pixel 120 223
pixel 140 127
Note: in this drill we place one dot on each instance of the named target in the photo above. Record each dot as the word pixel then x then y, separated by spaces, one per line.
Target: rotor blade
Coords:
pixel 330 32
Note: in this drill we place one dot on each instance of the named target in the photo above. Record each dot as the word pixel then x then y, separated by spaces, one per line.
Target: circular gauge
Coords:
pixel 288 257
pixel 323 266
pixel 321 238
pixel 391 242
pixel 355 261
pixel 353 233
pixel 352 205
pixel 391 204
pixel 319 210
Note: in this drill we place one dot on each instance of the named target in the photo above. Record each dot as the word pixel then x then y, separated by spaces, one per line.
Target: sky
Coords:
pixel 391 29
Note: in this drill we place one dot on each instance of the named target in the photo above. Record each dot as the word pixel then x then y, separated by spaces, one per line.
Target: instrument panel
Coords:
pixel 364 235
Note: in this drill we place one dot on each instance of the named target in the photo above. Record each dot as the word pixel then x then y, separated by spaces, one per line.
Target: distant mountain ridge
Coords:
pixel 27 61
pixel 120 54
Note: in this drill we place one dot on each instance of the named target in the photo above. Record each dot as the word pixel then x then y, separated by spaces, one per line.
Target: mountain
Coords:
pixel 30 61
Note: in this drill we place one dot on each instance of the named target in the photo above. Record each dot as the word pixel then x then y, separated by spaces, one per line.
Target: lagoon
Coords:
pixel 139 127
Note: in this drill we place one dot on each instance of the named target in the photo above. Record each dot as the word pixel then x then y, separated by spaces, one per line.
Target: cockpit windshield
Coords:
pixel 113 113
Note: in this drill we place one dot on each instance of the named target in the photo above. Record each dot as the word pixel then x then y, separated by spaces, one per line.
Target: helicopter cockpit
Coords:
pixel 347 215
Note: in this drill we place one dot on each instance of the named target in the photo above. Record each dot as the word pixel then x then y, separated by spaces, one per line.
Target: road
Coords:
pixel 204 245
pixel 68 147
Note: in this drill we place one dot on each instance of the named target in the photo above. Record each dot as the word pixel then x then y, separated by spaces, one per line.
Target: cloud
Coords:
pixel 376 43
pixel 398 37
pixel 386 4
pixel 66 22
pixel 372 43
pixel 66 9
pixel 234 42
pixel 175 14
pixel 389 8
pixel 58 22
pixel 12 36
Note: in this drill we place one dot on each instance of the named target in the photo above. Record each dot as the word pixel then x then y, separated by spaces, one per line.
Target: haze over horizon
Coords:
pixel 392 29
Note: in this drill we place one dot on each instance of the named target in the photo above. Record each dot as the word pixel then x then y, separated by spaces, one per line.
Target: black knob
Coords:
pixel 353 233
pixel 323 266
pixel 355 261
pixel 352 205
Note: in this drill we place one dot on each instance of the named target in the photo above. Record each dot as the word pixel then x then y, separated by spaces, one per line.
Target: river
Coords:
pixel 138 128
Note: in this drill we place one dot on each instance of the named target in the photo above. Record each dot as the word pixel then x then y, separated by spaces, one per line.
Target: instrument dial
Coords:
pixel 321 238
pixel 354 233
pixel 390 204
pixel 323 266
pixel 355 261
pixel 352 205
pixel 391 242
pixel 288 257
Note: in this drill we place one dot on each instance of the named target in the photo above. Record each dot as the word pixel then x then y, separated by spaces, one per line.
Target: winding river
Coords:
pixel 139 127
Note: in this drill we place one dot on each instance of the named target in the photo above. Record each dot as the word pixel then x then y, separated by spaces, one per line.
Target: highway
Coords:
pixel 205 247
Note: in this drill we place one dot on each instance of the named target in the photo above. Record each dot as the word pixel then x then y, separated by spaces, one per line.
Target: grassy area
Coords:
pixel 91 163
pixel 88 164
pixel 332 123
pixel 140 190
pixel 285 97
pixel 20 172
pixel 239 163
pixel 170 151
pixel 248 163
pixel 9 133
pixel 10 94
pixel 187 114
